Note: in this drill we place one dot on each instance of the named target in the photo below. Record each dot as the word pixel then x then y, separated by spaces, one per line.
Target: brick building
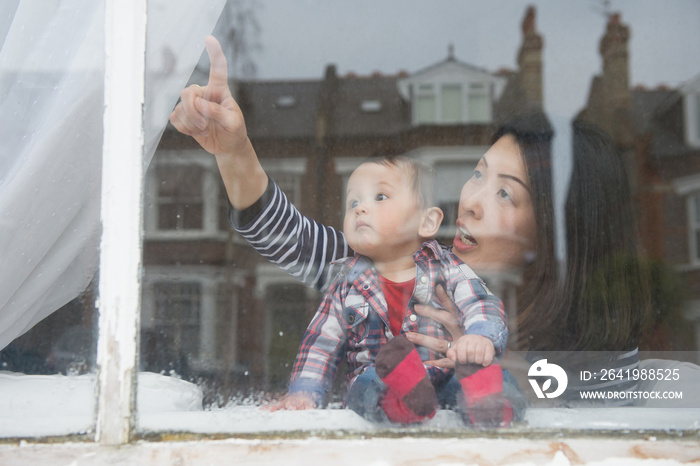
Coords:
pixel 658 134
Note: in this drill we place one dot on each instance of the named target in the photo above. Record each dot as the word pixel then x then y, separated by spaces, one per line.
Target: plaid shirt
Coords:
pixel 353 321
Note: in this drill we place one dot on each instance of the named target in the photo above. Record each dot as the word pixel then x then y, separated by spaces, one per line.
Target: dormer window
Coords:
pixel 285 101
pixel 371 106
pixel 451 103
pixel 451 93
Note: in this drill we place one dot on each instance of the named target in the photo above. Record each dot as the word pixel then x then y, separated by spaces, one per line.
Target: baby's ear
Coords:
pixel 432 218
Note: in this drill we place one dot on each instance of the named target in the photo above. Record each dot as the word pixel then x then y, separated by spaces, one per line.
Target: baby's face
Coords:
pixel 383 213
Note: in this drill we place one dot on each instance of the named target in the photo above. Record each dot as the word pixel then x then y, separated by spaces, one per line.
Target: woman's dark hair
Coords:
pixel 599 299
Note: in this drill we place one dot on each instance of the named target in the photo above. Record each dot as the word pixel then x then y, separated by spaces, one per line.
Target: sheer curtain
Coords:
pixel 51 101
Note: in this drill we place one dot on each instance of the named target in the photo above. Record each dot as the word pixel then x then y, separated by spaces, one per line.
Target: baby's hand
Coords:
pixel 472 348
pixel 293 402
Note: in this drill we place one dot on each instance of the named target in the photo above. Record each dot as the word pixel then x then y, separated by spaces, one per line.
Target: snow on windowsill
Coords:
pixel 43 405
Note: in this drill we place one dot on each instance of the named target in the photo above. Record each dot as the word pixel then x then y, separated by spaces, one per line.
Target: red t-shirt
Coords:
pixel 397 296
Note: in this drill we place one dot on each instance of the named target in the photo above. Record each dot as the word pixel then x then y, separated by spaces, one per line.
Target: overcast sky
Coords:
pixel 299 38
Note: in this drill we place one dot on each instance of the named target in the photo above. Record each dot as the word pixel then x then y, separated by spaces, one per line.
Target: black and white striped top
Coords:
pixel 299 245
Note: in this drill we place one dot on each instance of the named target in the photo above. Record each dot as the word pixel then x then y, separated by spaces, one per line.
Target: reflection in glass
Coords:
pixel 309 135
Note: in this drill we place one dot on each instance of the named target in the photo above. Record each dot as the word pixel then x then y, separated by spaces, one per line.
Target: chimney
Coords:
pixel 326 98
pixel 530 60
pixel 613 50
pixel 615 99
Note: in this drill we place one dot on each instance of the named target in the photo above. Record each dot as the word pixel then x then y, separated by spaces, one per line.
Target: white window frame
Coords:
pixel 121 211
pixel 692 206
pixel 120 252
pixel 287 173
pixel 467 89
pixel 691 111
pixel 266 276
pixel 692 118
pixel 210 280
pixel 689 187
pixel 210 197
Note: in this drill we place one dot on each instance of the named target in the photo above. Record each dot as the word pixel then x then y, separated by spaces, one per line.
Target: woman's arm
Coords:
pixel 213 118
pixel 260 211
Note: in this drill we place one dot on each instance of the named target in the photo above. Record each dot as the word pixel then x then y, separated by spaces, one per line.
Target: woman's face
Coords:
pixel 496 224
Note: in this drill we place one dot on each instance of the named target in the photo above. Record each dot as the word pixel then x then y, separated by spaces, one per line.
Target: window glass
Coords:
pixel 180 198
pixel 575 221
pixel 478 104
pixel 288 317
pixel 177 317
pixel 51 82
pixel 584 221
pixel 451 103
pixel 425 109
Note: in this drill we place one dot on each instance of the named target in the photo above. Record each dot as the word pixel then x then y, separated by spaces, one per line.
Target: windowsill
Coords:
pixel 479 449
pixel 171 427
pixel 58 405
pixel 690 267
pixel 254 421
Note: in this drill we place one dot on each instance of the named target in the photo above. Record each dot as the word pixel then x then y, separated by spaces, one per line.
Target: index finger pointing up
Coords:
pixel 218 70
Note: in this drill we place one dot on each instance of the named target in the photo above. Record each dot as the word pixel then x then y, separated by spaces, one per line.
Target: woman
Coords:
pixel 505 221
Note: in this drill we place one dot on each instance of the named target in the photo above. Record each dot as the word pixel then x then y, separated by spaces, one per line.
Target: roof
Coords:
pixel 369 106
pixel 660 113
pixel 284 109
pixel 449 62
pixel 361 106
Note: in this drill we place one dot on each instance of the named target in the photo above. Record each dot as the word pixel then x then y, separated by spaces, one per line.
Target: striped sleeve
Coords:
pixel 299 245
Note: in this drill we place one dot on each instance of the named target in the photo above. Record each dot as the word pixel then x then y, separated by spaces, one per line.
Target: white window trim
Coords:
pixel 121 239
pixel 121 211
pixel 692 125
pixel 292 166
pixel 691 101
pixel 689 187
pixel 693 227
pixel 466 91
pixel 209 278
pixel 267 274
pixel 210 198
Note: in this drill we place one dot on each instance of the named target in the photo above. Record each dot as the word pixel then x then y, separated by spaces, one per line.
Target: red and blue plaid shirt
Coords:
pixel 352 321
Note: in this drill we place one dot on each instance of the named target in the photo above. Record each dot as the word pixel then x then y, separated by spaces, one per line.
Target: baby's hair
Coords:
pixel 422 175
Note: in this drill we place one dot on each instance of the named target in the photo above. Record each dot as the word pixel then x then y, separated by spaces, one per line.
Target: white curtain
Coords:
pixel 51 102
